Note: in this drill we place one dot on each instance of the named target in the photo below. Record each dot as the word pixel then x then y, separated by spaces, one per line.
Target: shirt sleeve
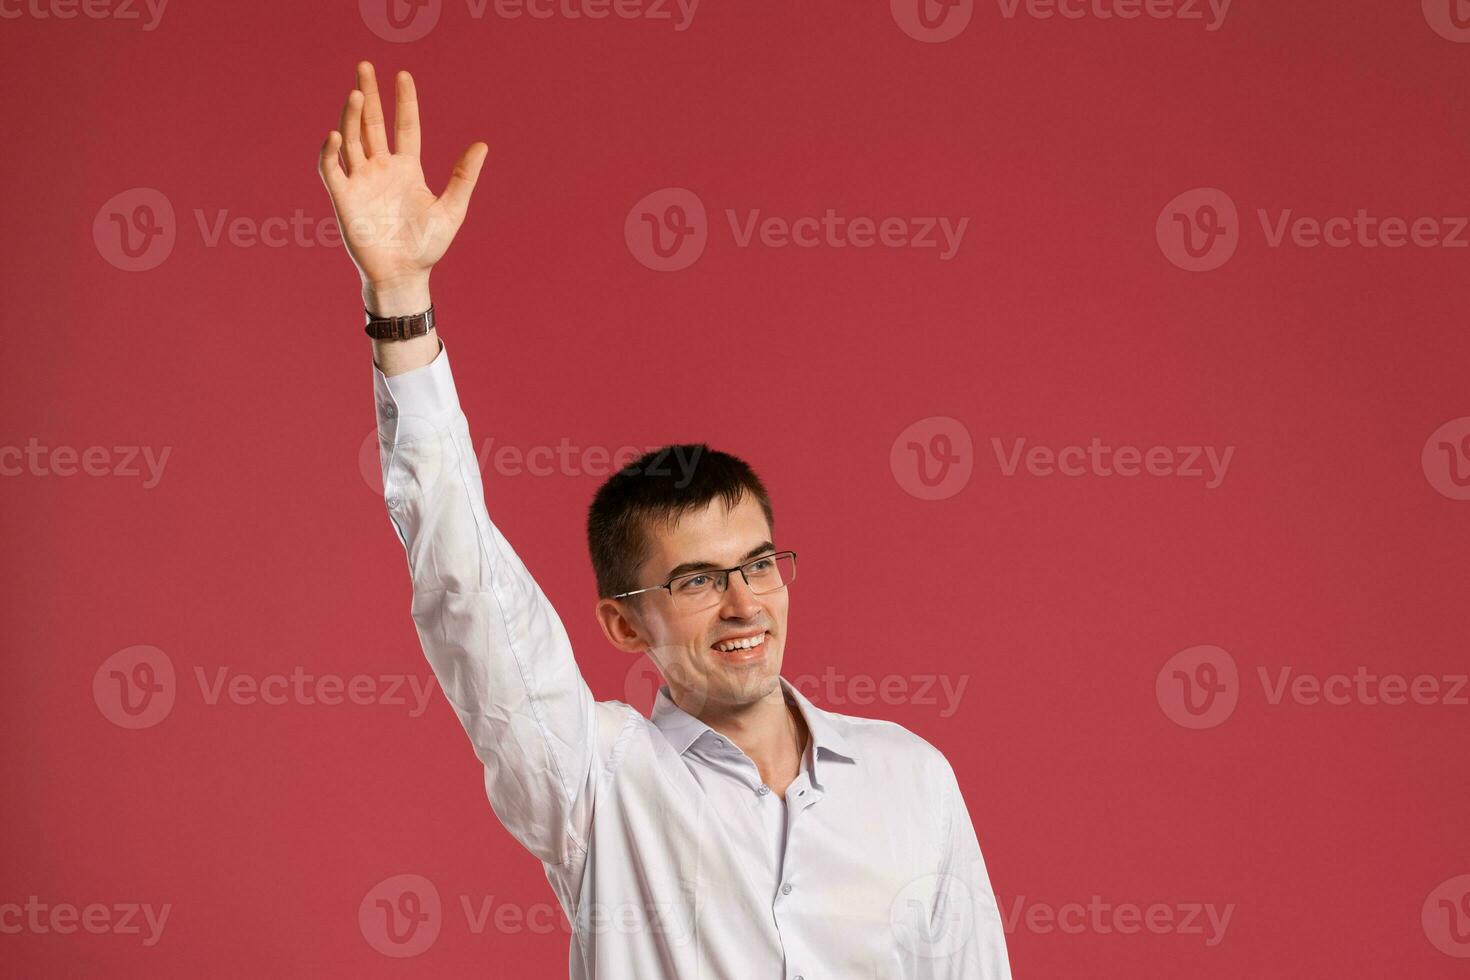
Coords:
pixel 967 938
pixel 493 640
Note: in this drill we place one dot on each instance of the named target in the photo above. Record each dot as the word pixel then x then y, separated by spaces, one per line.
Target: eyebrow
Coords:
pixel 699 566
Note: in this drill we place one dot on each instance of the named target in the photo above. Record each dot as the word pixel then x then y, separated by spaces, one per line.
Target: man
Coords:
pixel 742 833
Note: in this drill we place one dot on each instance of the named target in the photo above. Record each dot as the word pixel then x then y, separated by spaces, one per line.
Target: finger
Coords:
pixel 328 167
pixel 351 127
pixel 374 132
pixel 406 116
pixel 456 195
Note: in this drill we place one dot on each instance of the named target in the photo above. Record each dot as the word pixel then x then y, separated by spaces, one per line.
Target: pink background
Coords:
pixel 263 549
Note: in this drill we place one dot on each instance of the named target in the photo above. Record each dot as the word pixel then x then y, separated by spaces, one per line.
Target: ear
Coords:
pixel 622 626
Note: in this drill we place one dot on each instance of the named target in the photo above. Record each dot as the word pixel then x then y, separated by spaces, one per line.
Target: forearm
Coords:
pixel 394 357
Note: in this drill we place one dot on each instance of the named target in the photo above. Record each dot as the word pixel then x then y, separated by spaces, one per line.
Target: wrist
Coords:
pixel 400 297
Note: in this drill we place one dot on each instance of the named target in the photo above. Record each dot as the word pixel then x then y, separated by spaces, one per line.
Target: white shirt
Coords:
pixel 668 856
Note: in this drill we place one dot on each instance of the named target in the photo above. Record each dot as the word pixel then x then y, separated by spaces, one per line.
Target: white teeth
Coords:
pixel 744 644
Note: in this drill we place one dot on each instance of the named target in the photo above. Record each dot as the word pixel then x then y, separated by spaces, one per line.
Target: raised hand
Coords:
pixel 394 228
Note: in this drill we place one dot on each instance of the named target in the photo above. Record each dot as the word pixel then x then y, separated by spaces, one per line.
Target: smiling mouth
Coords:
pixel 741 651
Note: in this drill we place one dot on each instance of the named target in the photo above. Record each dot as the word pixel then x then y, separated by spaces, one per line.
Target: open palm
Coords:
pixel 394 227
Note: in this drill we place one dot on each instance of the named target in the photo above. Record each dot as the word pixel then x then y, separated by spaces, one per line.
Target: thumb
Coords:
pixel 462 181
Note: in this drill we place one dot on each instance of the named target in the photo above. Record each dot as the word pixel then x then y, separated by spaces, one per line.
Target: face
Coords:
pixel 682 643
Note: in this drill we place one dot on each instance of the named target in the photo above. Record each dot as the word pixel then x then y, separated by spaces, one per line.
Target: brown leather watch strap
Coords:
pixel 398 327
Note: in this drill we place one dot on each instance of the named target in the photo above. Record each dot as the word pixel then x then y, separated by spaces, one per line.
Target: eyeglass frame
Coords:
pixel 725 572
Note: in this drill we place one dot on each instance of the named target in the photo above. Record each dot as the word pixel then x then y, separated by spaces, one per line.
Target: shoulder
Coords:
pixel 893 749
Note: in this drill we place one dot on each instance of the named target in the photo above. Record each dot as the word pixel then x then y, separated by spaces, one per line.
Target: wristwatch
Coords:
pixel 398 327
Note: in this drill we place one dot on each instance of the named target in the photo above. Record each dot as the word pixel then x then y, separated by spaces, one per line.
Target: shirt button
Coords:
pixel 786 889
pixel 763 790
pixel 393 502
pixel 389 411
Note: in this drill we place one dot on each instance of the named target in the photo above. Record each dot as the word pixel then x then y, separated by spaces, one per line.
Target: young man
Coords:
pixel 741 833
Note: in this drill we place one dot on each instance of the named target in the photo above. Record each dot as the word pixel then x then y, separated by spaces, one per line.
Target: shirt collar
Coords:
pixel 682 729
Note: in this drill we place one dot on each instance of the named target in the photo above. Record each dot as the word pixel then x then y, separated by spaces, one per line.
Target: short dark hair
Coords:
pixel 655 490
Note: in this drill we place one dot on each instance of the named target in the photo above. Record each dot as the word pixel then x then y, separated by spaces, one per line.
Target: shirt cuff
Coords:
pixel 425 394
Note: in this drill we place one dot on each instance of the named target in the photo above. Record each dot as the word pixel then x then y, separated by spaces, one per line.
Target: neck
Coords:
pixel 770 731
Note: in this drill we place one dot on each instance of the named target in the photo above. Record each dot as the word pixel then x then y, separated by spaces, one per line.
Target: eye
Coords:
pixel 693 582
pixel 761 565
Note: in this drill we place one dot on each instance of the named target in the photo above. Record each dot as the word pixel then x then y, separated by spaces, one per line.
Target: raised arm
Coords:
pixel 495 643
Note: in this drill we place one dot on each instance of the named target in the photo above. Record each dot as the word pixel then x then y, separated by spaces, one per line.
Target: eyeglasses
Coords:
pixel 694 591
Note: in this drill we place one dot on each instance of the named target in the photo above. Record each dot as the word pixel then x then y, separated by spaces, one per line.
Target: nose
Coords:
pixel 737 601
